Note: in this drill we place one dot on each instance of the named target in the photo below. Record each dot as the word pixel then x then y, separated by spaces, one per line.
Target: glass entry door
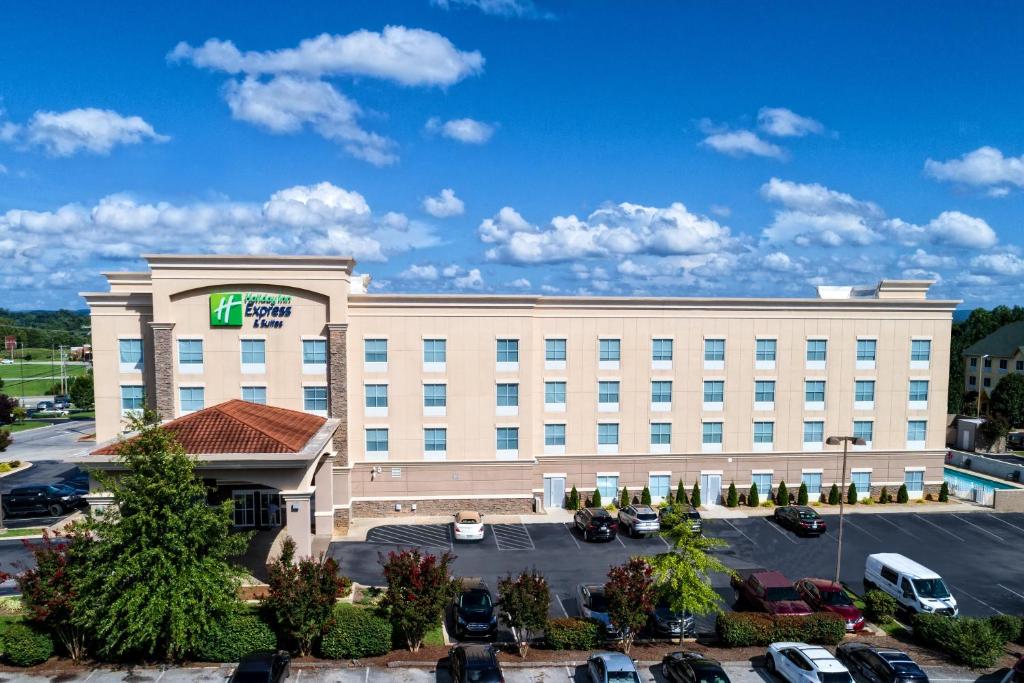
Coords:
pixel 269 508
pixel 245 508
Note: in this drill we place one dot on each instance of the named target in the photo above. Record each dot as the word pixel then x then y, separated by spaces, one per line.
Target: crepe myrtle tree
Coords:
pixel 524 603
pixel 630 595
pixel 419 587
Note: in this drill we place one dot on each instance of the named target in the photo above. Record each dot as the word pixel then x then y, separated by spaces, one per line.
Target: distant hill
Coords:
pixel 43 329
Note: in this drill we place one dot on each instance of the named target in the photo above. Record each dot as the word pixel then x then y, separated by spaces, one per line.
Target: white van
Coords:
pixel 915 587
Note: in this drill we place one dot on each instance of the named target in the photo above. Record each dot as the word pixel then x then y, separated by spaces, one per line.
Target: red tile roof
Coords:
pixel 237 426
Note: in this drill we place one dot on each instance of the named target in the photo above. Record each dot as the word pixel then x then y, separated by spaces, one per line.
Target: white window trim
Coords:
pixel 554 449
pixel 506 411
pixel 712 406
pixel 435 411
pixel 814 406
pixel 813 445
pixel 506 454
pixel 554 364
pixel 554 407
pixel 917 405
pixel 863 405
pixel 812 470
pixel 764 406
pixel 661 407
pixel 660 448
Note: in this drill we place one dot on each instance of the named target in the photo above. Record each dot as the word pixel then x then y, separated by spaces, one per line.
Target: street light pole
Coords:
pixel 981 384
pixel 834 441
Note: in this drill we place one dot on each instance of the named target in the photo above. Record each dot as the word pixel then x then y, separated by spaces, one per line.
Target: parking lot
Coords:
pixel 978 553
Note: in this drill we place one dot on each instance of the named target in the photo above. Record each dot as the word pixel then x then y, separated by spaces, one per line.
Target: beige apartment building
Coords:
pixel 503 403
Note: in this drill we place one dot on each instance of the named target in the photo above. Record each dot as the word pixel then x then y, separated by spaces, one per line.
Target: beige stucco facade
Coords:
pixel 172 303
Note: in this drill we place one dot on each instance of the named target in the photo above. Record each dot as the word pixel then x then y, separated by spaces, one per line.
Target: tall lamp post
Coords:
pixel 981 383
pixel 846 441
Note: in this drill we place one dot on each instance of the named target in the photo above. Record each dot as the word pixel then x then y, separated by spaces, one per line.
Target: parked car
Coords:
pixel 611 667
pixel 591 604
pixel 915 587
pixel 473 609
pixel 474 664
pixel 803 663
pixel 639 520
pixel 802 519
pixel 1016 674
pixel 41 500
pixel 823 595
pixel 668 623
pixel 263 667
pixel 469 526
pixel 61 402
pixel 879 664
pixel 692 667
pixel 595 524
pixel 45 406
pixel 769 591
pixel 688 514
pixel 6 361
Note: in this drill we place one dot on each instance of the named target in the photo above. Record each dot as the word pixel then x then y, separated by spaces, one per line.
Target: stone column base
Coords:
pixel 341 521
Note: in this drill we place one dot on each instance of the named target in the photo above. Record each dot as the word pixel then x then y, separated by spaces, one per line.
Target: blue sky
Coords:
pixel 513 146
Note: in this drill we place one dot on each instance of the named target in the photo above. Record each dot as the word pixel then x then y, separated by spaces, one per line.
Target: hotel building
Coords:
pixel 430 403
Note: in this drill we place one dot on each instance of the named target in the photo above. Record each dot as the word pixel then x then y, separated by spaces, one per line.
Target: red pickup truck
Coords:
pixel 769 591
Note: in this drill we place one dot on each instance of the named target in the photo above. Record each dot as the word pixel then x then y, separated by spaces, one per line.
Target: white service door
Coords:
pixel 554 492
pixel 711 489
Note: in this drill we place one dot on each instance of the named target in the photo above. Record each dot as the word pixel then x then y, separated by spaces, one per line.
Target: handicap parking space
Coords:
pixel 412 535
pixel 515 537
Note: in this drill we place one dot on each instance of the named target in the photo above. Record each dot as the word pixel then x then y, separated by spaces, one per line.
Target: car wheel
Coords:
pixel 769 663
pixel 55 510
pixel 586 536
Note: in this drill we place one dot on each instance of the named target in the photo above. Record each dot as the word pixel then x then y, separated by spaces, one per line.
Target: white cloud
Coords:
pixel 953 227
pixel 468 131
pixel 984 167
pixel 740 143
pixel 922 259
pixel 64 134
pixel 471 280
pixel 720 210
pixel 784 123
pixel 523 9
pixel 814 198
pixel 416 272
pixel 1003 265
pixel 409 56
pixel 520 283
pixel 444 205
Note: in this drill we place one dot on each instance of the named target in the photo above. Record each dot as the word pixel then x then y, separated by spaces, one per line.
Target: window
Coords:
pixel 508 438
pixel 377 440
pixel 763 481
pixel 608 486
pixel 435 439
pixel 607 392
pixel 814 391
pixel 375 350
pixel 659 485
pixel 916 430
pixel 974 362
pixel 131 397
pixel 972 380
pixel 609 349
pixel 862 482
pixel 987 381
pixel 554 435
pixel 314 399
pixel 816 349
pixel 814 431
pixel 864 429
pixel 764 391
pixel 608 434
pixel 764 432
pixel 766 349
pixel 1002 364
pixel 1020 366
pixel 554 349
pixel 988 362
pixel 714 349
pixel 508 350
pixel 554 392
pixel 866 349
pixel 314 351
pixel 255 395
pixel 864 390
pixel 376 395
pixel 711 432
pixel 435 350
pixel 661 433
pixel 435 395
pixel 714 391
pixel 661 392
pixel 191 398
pixel 131 353
pixel 508 394
pixel 914 479
pixel 918 390
pixel 920 349
pixel 254 351
pixel 813 482
pixel 190 351
pixel 661 349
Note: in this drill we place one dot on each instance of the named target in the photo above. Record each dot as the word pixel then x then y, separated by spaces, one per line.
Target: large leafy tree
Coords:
pixel 979 324
pixel 419 588
pixel 630 594
pixel 81 392
pixel 524 606
pixel 160 575
pixel 1008 399
pixel 7 406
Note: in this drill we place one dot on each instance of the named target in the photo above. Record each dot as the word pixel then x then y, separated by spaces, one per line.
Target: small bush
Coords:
pixel 645 496
pixel 595 500
pixel 573 634
pixel 681 497
pixel 240 635
pixel 624 498
pixel 902 496
pixel 782 497
pixel 884 496
pixel 967 640
pixel 879 606
pixel 801 494
pixel 851 495
pixel 574 499
pixel 749 629
pixel 732 499
pixel 695 495
pixel 25 646
pixel 357 632
pixel 833 495
pixel 753 498
pixel 944 493
pixel 1009 627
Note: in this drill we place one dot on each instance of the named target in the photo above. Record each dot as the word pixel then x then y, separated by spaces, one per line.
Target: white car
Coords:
pixel 6 361
pixel 803 663
pixel 469 526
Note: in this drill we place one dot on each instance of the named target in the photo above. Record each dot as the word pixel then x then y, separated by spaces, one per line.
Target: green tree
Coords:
pixel 574 499
pixel 595 500
pixel 884 496
pixel 695 495
pixel 902 496
pixel 944 493
pixel 7 406
pixel 524 603
pixel 420 586
pixel 5 439
pixel 732 498
pixel 801 494
pixel 753 498
pixel 1008 399
pixel 782 497
pixel 81 392
pixel 645 496
pixel 681 498
pixel 19 414
pixel 833 495
pixel 851 494
pixel 624 498
pixel 630 595
pixel 160 575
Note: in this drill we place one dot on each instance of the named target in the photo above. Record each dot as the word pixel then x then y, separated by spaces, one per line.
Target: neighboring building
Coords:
pixel 445 402
pixel 989 360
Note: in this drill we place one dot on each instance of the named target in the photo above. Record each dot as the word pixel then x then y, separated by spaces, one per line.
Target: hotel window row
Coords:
pixel 193 397
pixel 252 355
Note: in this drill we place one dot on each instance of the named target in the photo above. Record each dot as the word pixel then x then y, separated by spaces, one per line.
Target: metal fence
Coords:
pixel 983 495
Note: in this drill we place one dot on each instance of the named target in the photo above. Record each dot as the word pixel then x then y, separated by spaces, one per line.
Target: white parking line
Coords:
pixel 572 535
pixel 862 529
pixel 942 529
pixel 892 523
pixel 1010 590
pixel 740 532
pixel 667 546
pixel 980 602
pixel 514 537
pixel 559 599
pixel 981 529
pixel 620 541
pixel 999 518
pixel 784 534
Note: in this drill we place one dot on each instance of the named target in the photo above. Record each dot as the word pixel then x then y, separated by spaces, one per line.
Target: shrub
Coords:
pixel 5 439
pixel 749 629
pixel 681 498
pixel 420 586
pixel 524 603
pixel 944 493
pixel 967 640
pixel 851 494
pixel 879 606
pixel 630 595
pixel 595 500
pixel 573 634
pixel 1009 627
pixel 782 497
pixel 695 496
pixel 732 499
pixel 645 496
pixel 833 495
pixel 624 498
pixel 357 632
pixel 801 494
pixel 238 636
pixel 883 496
pixel 574 499
pixel 902 496
pixel 25 646
pixel 753 499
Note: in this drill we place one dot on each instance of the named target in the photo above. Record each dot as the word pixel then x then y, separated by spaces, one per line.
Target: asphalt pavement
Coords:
pixel 51 443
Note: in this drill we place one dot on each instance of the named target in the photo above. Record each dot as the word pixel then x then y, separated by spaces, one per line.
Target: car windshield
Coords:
pixel 836 598
pixel 64 487
pixel 476 600
pixel 808 514
pixel 711 677
pixel 469 520
pixel 835 677
pixel 597 602
pixel 251 677
pixel 488 675
pixel 931 588
pixel 907 669
pixel 780 594
pixel 623 677
pixel 646 516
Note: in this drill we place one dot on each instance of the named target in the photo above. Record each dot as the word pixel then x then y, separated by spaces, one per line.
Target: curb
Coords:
pixel 21 468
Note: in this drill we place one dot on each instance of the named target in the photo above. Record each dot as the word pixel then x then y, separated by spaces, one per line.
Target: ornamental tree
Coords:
pixel 902 495
pixel 5 439
pixel 681 498
pixel 574 499
pixel 595 500
pixel 782 497
pixel 753 498
pixel 81 392
pixel 944 493
pixel 884 496
pixel 695 495
pixel 524 603
pixel 851 494
pixel 630 595
pixel 801 494
pixel 624 497
pixel 833 495
pixel 7 406
pixel 645 496
pixel 420 587
pixel 732 499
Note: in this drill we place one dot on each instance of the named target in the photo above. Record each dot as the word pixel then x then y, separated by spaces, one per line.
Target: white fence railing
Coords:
pixel 982 495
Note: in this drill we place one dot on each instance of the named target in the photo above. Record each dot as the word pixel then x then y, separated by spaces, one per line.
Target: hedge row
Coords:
pixel 746 629
pixel 357 632
pixel 879 606
pixel 574 634
pixel 240 635
pixel 967 640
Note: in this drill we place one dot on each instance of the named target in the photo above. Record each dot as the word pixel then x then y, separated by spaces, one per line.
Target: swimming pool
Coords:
pixel 971 487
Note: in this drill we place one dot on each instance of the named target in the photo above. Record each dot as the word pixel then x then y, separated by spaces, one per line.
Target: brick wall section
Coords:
pixel 493 506
pixel 341 521
pixel 337 386
pixel 163 369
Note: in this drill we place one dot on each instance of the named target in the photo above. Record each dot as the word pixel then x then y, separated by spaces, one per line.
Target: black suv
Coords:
pixel 596 524
pixel 802 519
pixel 688 515
pixel 263 667
pixel 474 614
pixel 692 667
pixel 41 500
pixel 474 664
pixel 879 665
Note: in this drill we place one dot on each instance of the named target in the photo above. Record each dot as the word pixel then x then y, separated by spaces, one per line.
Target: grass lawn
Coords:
pixel 26 425
pixel 83 414
pixel 15 533
pixel 433 637
pixel 30 370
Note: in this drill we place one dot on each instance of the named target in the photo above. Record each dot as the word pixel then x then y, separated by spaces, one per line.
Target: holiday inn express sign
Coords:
pixel 235 309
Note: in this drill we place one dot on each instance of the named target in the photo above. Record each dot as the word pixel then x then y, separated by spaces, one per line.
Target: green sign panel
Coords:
pixel 226 309
pixel 235 309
